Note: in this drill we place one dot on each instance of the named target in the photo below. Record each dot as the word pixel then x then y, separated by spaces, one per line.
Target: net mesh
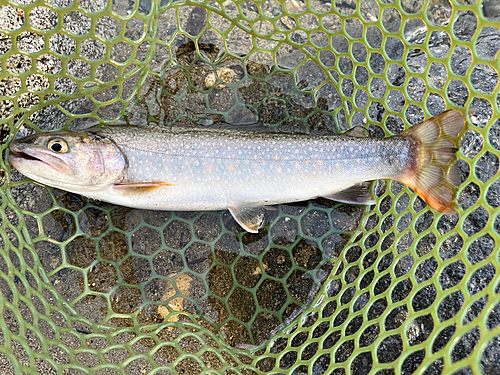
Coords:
pixel 395 288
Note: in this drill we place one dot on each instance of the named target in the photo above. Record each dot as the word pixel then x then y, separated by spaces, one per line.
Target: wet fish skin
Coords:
pixel 169 168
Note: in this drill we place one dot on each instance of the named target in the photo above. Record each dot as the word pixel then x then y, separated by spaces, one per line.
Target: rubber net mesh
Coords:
pixel 395 288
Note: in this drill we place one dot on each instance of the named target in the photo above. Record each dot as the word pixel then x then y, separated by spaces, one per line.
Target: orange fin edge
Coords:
pixel 140 188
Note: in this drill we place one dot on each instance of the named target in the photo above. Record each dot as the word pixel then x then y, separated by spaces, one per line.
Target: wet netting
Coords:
pixel 323 288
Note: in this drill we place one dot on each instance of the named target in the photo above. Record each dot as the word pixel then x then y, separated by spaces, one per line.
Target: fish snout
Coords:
pixel 15 148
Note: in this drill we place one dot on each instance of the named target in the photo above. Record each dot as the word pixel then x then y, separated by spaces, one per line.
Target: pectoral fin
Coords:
pixel 355 194
pixel 140 188
pixel 250 218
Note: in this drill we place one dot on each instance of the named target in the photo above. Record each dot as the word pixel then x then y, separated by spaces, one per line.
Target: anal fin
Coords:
pixel 250 218
pixel 140 188
pixel 355 194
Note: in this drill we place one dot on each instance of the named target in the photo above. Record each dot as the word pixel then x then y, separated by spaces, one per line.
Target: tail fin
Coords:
pixel 434 175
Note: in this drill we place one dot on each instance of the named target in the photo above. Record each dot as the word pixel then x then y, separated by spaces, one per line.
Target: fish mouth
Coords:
pixel 19 156
pixel 23 156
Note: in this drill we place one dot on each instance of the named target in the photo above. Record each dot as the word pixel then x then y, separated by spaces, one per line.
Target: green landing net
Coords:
pixel 323 288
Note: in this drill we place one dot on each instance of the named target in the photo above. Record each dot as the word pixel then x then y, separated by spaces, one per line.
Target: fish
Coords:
pixel 200 169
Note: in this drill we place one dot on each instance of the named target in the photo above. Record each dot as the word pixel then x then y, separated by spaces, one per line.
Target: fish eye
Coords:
pixel 58 145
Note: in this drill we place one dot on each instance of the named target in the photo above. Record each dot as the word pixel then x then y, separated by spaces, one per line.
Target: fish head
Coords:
pixel 74 161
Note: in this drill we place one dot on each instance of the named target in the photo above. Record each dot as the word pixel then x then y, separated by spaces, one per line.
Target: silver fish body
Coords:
pixel 214 170
pixel 169 168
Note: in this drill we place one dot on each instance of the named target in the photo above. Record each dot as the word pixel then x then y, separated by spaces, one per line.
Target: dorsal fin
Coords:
pixel 358 132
